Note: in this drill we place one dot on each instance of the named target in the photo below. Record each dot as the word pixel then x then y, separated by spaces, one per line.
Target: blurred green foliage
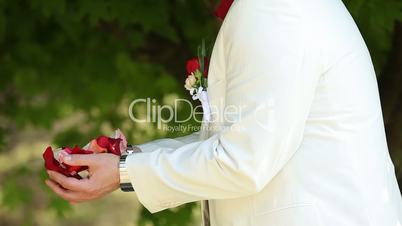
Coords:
pixel 376 20
pixel 60 59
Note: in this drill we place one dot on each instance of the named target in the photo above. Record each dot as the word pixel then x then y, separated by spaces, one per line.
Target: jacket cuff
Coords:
pixel 142 183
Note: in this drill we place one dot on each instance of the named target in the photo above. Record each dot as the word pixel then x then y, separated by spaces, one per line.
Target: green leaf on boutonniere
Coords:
pixel 198 75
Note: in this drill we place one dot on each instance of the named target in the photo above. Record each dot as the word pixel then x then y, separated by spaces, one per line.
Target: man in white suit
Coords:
pixel 318 158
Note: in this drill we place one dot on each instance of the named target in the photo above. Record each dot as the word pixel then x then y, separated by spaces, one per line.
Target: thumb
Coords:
pixel 80 160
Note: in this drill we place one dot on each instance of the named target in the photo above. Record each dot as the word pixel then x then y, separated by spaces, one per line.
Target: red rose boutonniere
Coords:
pixel 197 80
pixel 102 144
pixel 193 65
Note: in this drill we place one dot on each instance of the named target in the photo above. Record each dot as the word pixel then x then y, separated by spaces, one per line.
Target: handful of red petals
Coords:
pixel 102 144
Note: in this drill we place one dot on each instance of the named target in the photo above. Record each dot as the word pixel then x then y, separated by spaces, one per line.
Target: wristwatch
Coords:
pixel 125 183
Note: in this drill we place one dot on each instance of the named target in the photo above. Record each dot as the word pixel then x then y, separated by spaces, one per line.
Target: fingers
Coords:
pixel 69 182
pixel 65 194
pixel 101 182
pixel 80 160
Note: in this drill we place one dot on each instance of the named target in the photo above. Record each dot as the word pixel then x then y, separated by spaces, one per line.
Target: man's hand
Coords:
pixel 103 178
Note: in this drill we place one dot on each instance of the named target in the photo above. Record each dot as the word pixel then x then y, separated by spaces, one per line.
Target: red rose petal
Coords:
pixel 51 163
pixel 71 171
pixel 123 142
pixel 103 141
pixel 112 145
pixel 93 146
pixel 78 150
pixel 192 66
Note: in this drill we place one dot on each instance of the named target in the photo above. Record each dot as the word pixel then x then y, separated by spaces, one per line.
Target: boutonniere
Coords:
pixel 197 80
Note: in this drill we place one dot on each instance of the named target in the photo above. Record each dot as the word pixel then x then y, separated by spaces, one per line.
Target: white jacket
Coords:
pixel 310 148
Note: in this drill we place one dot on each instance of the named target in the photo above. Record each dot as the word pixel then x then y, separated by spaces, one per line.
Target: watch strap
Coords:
pixel 125 183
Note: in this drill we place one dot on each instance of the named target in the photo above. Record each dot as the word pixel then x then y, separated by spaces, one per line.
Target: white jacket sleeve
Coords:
pixel 268 63
pixel 171 143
